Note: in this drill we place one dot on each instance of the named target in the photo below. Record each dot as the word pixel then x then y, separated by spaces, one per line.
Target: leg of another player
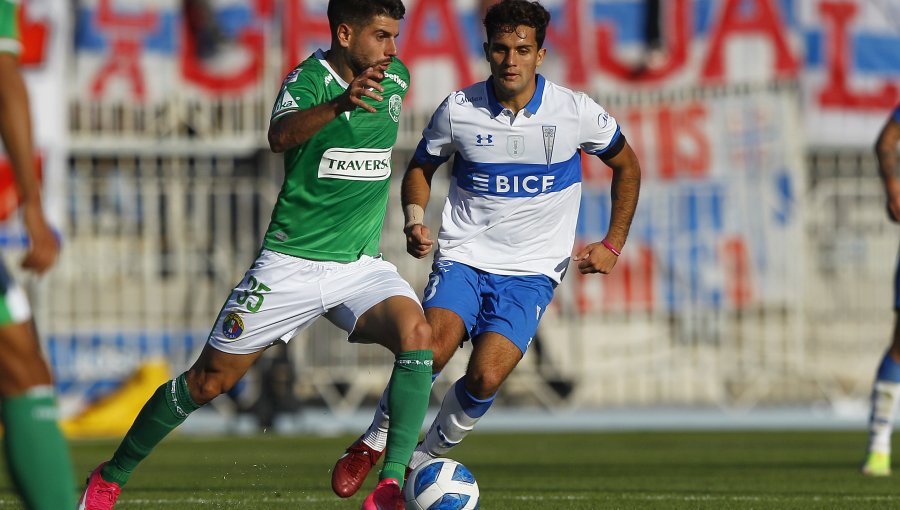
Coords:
pixel 885 397
pixel 37 455
pixel 215 372
pixel 351 470
pixel 448 332
pixel 399 324
pixel 493 358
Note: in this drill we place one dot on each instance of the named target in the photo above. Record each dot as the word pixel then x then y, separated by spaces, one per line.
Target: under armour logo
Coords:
pixel 484 139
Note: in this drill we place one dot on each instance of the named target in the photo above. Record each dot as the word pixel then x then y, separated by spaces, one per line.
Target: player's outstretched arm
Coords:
pixel 296 128
pixel 599 257
pixel 886 152
pixel 15 130
pixel 414 194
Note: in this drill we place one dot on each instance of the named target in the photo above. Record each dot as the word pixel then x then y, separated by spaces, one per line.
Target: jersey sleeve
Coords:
pixel 9 27
pixel 599 133
pixel 896 115
pixel 436 145
pixel 298 92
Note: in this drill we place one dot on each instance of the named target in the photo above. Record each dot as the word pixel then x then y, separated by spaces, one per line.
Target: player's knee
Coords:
pixel 483 384
pixel 419 337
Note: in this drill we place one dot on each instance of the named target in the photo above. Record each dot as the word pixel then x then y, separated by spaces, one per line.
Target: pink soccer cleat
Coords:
pixel 351 469
pixel 386 496
pixel 99 494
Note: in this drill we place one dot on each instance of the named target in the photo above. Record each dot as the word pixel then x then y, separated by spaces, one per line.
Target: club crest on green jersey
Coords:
pixel 394 105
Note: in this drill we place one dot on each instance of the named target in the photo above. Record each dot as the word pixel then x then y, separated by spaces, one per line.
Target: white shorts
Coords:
pixel 280 295
pixel 14 308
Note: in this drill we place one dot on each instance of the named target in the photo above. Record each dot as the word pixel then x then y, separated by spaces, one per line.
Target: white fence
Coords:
pixel 163 217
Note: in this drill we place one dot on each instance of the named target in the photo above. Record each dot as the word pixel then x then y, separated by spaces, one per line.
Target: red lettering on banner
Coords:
pixel 628 288
pixel 677 43
pixel 126 32
pixel 836 92
pixel 195 71
pixel 567 42
pixel 34 39
pixel 680 129
pixel 763 19
pixel 736 265
pixel 298 30
pixel 419 46
pixel 631 282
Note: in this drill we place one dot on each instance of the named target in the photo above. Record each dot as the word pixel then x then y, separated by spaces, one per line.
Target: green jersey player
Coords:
pixel 36 453
pixel 336 118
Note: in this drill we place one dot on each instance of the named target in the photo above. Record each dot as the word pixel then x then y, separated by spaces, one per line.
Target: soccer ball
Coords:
pixel 441 484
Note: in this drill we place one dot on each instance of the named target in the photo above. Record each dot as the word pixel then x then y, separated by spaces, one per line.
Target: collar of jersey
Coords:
pixel 320 55
pixel 532 106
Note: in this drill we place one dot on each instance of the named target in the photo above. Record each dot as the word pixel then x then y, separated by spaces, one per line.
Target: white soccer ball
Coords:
pixel 441 484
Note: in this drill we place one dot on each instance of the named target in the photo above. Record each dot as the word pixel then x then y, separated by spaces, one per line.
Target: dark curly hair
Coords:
pixel 506 15
pixel 357 13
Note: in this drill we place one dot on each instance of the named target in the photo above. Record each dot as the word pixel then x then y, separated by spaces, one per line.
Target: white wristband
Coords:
pixel 415 215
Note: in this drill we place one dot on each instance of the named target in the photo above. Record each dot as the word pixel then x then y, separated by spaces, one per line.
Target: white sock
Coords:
pixel 458 415
pixel 376 435
pixel 885 395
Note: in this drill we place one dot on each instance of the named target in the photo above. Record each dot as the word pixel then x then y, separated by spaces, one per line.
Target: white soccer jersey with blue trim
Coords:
pixel 515 190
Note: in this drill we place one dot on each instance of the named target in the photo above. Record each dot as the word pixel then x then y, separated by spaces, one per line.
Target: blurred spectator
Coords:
pixel 654 51
pixel 203 28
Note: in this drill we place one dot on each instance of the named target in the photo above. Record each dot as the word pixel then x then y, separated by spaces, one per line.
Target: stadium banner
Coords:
pixel 845 52
pixel 851 76
pixel 719 211
pixel 45 41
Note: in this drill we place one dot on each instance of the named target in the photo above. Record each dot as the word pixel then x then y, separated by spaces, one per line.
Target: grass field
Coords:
pixel 802 470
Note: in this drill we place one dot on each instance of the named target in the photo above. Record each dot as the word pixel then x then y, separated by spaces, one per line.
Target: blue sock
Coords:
pixel 473 407
pixel 889 370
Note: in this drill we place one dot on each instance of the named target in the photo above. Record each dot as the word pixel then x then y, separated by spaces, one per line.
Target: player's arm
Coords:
pixel 15 130
pixel 624 189
pixel 886 152
pixel 295 128
pixel 414 194
pixel 434 149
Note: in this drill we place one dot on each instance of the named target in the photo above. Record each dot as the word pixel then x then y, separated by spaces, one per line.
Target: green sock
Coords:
pixel 169 406
pixel 408 402
pixel 36 453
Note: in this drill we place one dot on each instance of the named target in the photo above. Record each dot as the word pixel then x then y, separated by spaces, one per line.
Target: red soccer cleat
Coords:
pixel 386 496
pixel 351 469
pixel 99 494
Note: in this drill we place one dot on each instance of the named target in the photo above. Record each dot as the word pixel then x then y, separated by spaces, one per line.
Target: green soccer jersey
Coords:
pixel 333 200
pixel 9 27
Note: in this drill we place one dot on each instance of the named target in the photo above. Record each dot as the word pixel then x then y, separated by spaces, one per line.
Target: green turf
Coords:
pixel 650 470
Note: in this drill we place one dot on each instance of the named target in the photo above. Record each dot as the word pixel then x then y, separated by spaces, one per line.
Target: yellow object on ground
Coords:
pixel 113 414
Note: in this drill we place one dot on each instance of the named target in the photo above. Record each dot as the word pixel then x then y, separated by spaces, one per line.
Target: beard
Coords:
pixel 360 64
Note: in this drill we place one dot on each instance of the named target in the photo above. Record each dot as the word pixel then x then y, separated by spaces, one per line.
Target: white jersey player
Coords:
pixel 508 225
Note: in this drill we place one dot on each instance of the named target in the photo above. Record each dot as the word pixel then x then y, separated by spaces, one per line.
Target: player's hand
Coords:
pixel 418 242
pixel 595 258
pixel 43 247
pixel 366 84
